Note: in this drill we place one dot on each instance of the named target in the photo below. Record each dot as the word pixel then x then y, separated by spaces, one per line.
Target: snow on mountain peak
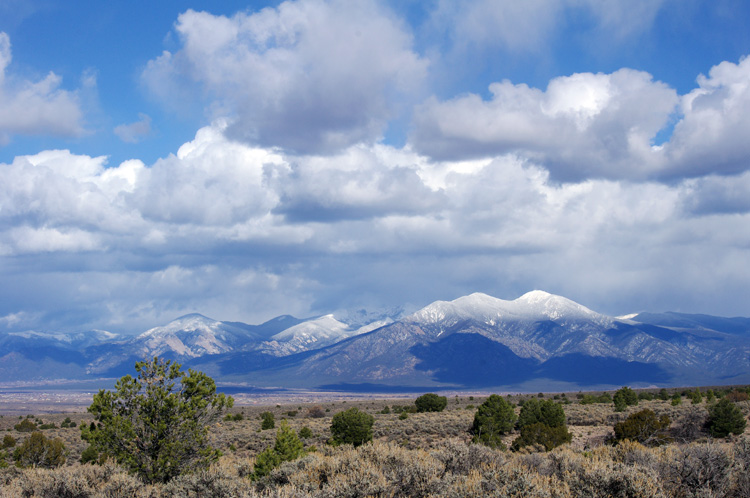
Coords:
pixel 554 307
pixel 189 335
pixel 535 305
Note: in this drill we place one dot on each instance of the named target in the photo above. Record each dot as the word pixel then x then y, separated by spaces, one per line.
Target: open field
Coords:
pixel 419 455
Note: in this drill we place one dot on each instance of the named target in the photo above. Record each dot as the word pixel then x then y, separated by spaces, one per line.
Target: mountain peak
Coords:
pixel 535 305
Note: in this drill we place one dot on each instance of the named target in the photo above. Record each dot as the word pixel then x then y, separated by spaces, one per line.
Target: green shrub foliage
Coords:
pixel 492 420
pixel 268 421
pixel 546 412
pixel 90 455
pixel 352 427
pixel 725 418
pixel 431 402
pixel 8 441
pixel 623 398
pixel 287 448
pixel 542 434
pixel 541 422
pixel 644 427
pixel 39 451
pixel 25 425
pixel 590 399
pixel 156 425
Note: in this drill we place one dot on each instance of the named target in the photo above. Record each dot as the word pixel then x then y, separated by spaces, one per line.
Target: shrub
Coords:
pixel 736 395
pixel 352 427
pixel 268 421
pixel 663 394
pixel 315 412
pixel 725 418
pixel 644 427
pixel 25 425
pixel 590 399
pixel 305 433
pixel 691 424
pixel 8 441
pixel 89 455
pixel 155 427
pixel 403 416
pixel 676 399
pixel 545 412
pixel 431 402
pixel 287 447
pixel 623 398
pixel 543 434
pixel 38 451
pixel 493 419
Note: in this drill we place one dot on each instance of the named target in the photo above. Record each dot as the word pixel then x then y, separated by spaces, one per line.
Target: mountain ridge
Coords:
pixel 474 340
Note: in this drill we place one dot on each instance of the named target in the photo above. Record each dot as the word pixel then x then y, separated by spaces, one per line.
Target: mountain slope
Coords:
pixel 537 340
pixel 481 341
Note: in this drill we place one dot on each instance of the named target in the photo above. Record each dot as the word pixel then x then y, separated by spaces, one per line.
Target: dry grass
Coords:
pixel 425 454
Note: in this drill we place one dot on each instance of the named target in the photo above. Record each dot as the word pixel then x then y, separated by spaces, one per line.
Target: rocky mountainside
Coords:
pixel 475 341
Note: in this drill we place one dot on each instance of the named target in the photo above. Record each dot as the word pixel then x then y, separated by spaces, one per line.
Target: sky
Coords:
pixel 245 160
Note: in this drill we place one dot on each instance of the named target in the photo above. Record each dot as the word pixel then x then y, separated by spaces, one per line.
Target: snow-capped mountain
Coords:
pixel 190 336
pixel 479 340
pixel 311 334
pixel 473 341
pixel 533 306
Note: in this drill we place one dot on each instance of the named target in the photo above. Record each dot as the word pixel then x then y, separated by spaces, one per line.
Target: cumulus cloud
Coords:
pixel 134 132
pixel 35 107
pixel 584 125
pixel 711 136
pixel 600 125
pixel 221 224
pixel 307 76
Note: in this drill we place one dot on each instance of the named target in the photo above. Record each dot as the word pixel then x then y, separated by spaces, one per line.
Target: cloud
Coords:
pixel 240 232
pixel 599 125
pixel 518 27
pixel 710 137
pixel 528 27
pixel 584 125
pixel 134 132
pixel 308 76
pixel 35 108
pixel 714 194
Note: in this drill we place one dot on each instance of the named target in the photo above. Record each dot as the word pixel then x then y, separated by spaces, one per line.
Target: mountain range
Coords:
pixel 539 341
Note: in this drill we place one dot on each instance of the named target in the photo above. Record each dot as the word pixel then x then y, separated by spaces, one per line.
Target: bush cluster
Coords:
pixel 430 402
pixel 725 418
pixel 623 398
pixel 493 419
pixel 39 451
pixel 352 427
pixel 644 427
pixel 541 423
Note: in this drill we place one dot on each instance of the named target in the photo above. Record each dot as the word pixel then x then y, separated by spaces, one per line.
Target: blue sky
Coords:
pixel 245 160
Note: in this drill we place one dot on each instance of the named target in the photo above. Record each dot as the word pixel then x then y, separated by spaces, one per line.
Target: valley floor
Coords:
pixel 424 454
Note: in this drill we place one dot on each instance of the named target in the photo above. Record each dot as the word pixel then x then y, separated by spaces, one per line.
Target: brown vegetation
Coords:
pixel 425 454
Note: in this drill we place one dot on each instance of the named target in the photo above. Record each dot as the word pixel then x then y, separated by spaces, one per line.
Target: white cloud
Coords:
pixel 35 108
pixel 241 232
pixel 584 125
pixel 134 132
pixel 307 76
pixel 711 137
